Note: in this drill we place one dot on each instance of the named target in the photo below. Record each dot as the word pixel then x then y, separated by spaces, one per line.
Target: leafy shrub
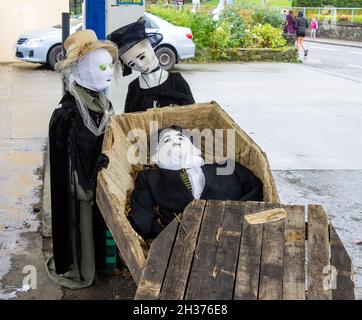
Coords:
pixel 221 36
pixel 264 36
pixel 245 14
pixel 203 28
pixel 232 17
pixel 267 16
pixel 206 32
pixel 264 27
pixel 176 17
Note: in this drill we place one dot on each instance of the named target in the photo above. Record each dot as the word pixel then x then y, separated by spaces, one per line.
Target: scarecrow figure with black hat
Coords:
pixel 76 132
pixel 154 87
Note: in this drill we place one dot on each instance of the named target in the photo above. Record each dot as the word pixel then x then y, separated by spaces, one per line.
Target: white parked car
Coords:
pixel 177 41
pixel 44 46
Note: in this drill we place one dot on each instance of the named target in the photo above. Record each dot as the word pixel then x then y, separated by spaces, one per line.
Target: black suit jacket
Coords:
pixel 160 193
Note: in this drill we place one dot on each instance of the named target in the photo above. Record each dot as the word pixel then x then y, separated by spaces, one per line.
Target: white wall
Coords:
pixel 117 17
pixel 21 16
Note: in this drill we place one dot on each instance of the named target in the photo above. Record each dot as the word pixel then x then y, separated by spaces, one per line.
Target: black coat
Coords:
pixel 164 189
pixel 301 25
pixel 69 139
pixel 175 90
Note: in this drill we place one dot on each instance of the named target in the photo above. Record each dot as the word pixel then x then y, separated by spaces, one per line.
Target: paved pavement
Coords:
pixel 27 96
pixel 308 121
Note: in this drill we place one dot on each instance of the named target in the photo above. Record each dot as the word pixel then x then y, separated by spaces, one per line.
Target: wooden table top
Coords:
pixel 212 252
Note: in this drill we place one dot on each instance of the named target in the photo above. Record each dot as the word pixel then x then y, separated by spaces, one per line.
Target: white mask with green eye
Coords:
pixel 94 71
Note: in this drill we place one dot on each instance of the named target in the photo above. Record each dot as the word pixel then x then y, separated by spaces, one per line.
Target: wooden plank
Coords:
pixel 247 277
pixel 199 284
pixel 318 254
pixel 342 269
pixel 271 266
pixel 153 274
pixel 122 232
pixel 294 254
pixel 174 285
pixel 229 235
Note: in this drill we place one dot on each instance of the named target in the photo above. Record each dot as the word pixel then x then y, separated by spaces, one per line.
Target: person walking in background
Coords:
pixel 195 6
pixel 301 25
pixel 289 27
pixel 314 27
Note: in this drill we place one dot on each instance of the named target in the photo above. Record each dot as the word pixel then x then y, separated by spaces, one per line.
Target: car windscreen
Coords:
pixel 150 24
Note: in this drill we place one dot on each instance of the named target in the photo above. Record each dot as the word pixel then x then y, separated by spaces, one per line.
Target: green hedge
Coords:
pixel 264 36
pixel 322 3
pixel 237 27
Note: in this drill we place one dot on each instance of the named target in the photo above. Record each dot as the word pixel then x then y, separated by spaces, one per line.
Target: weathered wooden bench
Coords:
pixel 212 252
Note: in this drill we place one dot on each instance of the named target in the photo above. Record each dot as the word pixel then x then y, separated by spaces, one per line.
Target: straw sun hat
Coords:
pixel 82 42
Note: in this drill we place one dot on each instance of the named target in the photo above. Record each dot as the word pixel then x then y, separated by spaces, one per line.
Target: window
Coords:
pixel 150 24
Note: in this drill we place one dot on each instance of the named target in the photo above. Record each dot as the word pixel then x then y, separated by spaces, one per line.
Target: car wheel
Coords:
pixel 54 56
pixel 166 56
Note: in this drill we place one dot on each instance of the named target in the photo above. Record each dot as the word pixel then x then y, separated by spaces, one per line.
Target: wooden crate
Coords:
pixel 116 182
pixel 213 253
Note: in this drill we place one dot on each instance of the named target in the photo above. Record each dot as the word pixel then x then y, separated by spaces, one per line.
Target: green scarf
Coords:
pixel 95 101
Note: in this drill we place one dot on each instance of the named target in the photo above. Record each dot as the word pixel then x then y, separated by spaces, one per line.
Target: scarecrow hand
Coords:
pixel 102 162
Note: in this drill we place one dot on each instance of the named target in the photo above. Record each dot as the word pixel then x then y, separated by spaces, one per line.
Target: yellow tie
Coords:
pixel 185 179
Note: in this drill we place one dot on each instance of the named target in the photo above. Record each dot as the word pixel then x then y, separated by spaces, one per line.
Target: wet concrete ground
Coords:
pixel 339 194
pixel 25 103
pixel 311 134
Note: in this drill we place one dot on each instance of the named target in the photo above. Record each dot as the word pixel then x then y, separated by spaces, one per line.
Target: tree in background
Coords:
pixel 322 3
pixel 75 7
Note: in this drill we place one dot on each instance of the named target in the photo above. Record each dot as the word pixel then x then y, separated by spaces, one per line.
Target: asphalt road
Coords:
pixel 340 61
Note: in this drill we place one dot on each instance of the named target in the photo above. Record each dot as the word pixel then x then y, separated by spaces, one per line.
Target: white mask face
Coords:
pixel 175 151
pixel 141 57
pixel 95 70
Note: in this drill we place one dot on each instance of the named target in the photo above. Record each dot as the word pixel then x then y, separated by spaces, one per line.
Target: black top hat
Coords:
pixel 126 37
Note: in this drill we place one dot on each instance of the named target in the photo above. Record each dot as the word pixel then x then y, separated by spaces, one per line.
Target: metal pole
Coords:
pixel 65 35
pixel 65 29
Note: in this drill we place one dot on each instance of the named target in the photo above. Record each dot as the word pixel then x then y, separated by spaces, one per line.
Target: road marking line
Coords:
pixel 329 49
pixel 353 66
pixel 356 52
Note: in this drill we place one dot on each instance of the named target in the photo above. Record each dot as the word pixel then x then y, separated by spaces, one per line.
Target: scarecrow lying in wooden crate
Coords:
pixel 138 200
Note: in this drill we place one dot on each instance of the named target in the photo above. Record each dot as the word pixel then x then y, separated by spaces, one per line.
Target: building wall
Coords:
pixel 17 17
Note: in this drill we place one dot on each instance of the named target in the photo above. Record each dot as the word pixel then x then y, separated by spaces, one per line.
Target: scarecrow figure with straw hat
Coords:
pixel 76 132
pixel 154 87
